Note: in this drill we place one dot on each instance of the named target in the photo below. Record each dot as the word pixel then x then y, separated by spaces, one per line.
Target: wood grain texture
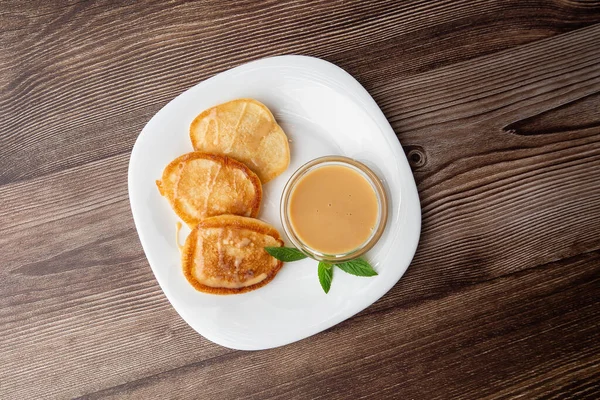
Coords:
pixel 497 105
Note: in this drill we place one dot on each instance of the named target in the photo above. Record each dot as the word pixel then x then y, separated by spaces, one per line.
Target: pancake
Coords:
pixel 202 185
pixel 246 130
pixel 225 255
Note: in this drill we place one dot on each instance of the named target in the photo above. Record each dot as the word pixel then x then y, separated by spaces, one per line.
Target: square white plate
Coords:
pixel 324 111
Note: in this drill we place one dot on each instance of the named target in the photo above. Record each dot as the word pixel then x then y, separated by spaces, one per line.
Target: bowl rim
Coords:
pixel 370 177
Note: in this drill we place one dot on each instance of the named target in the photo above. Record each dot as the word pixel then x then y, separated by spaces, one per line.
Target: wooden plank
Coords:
pixel 111 288
pixel 499 301
pixel 485 340
pixel 71 80
pixel 495 201
pixel 77 290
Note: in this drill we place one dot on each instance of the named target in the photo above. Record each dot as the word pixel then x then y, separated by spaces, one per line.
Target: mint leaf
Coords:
pixel 358 267
pixel 325 275
pixel 286 254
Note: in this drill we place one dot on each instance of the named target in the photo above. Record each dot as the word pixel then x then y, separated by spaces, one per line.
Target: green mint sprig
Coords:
pixel 286 254
pixel 358 266
pixel 325 272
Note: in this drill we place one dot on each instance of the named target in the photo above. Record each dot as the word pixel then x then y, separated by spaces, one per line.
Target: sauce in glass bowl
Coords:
pixel 334 208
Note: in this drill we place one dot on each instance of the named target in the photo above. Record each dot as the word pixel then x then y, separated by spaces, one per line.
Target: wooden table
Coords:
pixel 497 105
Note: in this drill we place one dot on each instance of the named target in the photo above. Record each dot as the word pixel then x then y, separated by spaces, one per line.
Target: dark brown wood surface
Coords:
pixel 497 105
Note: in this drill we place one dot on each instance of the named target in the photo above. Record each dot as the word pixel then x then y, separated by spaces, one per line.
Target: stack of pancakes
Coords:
pixel 217 191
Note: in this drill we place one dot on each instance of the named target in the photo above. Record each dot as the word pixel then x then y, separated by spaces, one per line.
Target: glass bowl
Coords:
pixel 366 173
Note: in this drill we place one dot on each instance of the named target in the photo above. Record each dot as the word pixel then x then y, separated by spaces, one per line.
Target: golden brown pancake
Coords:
pixel 246 130
pixel 200 185
pixel 225 255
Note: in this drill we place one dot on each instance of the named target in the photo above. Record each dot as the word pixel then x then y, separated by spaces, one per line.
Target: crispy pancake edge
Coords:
pixel 223 221
pixel 220 159
pixel 204 113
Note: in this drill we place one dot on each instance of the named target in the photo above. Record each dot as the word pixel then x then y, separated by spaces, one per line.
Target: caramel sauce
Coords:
pixel 177 229
pixel 333 209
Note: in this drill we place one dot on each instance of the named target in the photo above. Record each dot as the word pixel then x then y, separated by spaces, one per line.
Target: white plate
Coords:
pixel 324 111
